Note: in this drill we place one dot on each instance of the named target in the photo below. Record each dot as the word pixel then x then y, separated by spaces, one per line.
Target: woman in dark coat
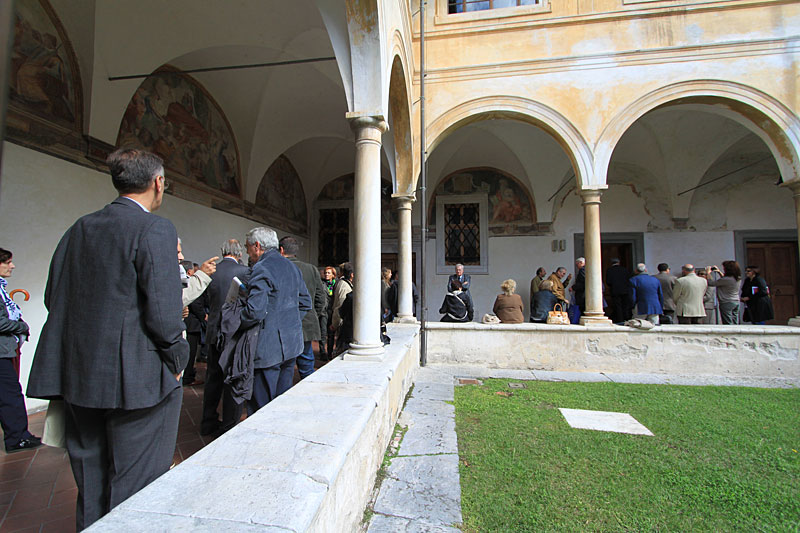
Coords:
pixel 755 295
pixel 544 300
pixel 457 304
pixel 13 332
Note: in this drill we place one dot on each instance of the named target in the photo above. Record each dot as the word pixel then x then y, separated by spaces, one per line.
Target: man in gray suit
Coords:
pixel 277 301
pixel 667 281
pixel 311 331
pixel 215 388
pixel 112 346
pixel 688 293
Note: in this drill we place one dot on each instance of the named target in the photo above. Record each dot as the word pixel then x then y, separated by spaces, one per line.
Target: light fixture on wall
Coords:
pixel 558 245
pixel 554 245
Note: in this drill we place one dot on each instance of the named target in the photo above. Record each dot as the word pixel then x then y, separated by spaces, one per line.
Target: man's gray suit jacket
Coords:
pixel 113 337
pixel 227 269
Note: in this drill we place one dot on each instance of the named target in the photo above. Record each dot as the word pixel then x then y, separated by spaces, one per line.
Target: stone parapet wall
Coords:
pixel 305 462
pixel 734 351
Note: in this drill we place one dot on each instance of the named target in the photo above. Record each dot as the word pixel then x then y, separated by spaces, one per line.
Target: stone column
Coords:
pixel 367 286
pixel 591 243
pixel 405 297
pixel 794 185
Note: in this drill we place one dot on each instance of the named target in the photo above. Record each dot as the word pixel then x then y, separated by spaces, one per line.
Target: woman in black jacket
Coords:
pixel 755 295
pixel 13 332
pixel 457 304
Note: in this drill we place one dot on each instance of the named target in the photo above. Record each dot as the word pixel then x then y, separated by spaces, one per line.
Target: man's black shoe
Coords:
pixel 208 429
pixel 25 444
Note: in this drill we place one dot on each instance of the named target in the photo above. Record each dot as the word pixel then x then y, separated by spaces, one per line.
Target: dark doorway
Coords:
pixel 778 263
pixel 616 250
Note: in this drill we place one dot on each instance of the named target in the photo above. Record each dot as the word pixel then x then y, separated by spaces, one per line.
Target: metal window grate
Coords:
pixel 462 234
pixel 334 236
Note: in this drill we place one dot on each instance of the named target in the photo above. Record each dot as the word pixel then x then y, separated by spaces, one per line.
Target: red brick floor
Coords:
pixel 37 490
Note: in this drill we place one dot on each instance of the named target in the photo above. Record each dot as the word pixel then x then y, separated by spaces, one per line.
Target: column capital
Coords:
pixel 359 123
pixel 794 185
pixel 590 196
pixel 403 200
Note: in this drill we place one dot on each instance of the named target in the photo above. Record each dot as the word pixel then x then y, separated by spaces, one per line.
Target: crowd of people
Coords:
pixel 698 296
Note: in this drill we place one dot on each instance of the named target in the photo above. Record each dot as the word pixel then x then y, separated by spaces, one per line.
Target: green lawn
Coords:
pixel 722 459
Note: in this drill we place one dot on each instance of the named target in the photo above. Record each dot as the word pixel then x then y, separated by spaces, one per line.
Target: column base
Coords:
pixel 365 352
pixel 794 322
pixel 595 319
pixel 410 319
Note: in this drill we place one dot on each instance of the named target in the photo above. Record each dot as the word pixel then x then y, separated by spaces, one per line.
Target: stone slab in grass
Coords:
pixel 422 489
pixel 393 524
pixel 555 375
pixel 604 421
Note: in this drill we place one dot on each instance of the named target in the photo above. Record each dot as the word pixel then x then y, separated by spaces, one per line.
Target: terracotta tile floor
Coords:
pixel 37 490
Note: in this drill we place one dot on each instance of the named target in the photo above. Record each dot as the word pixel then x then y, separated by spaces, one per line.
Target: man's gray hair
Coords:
pixel 266 237
pixel 231 247
pixel 581 260
pixel 641 267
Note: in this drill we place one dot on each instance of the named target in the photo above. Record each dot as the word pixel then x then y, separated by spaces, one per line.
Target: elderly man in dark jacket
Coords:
pixel 311 331
pixel 277 301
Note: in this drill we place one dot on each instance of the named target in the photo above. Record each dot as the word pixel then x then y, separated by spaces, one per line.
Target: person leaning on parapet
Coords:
pixel 667 281
pixel 112 346
pixel 215 388
pixel 727 290
pixel 558 286
pixel 305 360
pixel 579 287
pixel 688 293
pixel 508 306
pixel 647 295
pixel 277 301
pixel 459 276
pixel 619 286
pixel 457 305
pixel 544 301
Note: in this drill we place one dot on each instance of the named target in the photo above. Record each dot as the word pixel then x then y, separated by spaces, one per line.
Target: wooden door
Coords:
pixel 778 264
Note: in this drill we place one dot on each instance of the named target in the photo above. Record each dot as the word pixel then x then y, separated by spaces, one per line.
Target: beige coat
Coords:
pixel 688 295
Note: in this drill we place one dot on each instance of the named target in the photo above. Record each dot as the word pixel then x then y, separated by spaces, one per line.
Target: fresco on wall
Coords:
pixel 43 73
pixel 511 208
pixel 342 189
pixel 172 115
pixel 281 192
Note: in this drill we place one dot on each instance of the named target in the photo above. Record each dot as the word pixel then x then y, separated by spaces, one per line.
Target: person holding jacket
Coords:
pixel 457 304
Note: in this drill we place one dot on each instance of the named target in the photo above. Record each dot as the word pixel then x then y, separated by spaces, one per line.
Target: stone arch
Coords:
pixel 765 116
pixel 525 110
pixel 400 129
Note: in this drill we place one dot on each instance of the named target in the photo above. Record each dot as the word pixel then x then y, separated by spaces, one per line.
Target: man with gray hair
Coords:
pixel 277 301
pixel 647 295
pixel 688 293
pixel 215 389
pixel 579 287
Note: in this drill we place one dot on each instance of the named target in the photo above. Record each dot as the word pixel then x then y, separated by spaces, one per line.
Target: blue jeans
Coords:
pixel 305 361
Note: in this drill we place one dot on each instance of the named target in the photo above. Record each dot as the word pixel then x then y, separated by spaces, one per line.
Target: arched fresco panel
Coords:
pixel 43 72
pixel 281 193
pixel 172 115
pixel 511 207
pixel 341 189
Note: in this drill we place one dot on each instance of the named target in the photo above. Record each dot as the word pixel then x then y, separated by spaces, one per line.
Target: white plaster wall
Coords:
pixel 41 196
pixel 679 248
pixel 760 205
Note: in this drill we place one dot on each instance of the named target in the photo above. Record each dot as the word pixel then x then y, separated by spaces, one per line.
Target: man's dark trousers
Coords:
pixel 215 389
pixel 143 441
pixel 269 383
pixel 12 405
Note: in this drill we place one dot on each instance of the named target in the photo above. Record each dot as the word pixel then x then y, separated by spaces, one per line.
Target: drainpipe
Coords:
pixel 423 340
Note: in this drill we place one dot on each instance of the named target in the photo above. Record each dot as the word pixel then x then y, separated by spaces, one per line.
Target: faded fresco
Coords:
pixel 342 188
pixel 43 77
pixel 281 192
pixel 171 115
pixel 511 208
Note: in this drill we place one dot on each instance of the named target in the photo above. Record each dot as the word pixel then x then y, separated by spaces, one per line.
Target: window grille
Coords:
pixel 334 236
pixel 462 234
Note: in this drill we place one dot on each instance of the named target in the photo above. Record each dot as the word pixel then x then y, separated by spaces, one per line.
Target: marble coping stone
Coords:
pixel 742 329
pixel 305 462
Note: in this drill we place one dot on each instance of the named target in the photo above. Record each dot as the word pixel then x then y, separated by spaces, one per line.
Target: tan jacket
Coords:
pixel 558 287
pixel 688 294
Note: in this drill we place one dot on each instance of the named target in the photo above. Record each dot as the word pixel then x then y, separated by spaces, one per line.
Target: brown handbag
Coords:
pixel 558 316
